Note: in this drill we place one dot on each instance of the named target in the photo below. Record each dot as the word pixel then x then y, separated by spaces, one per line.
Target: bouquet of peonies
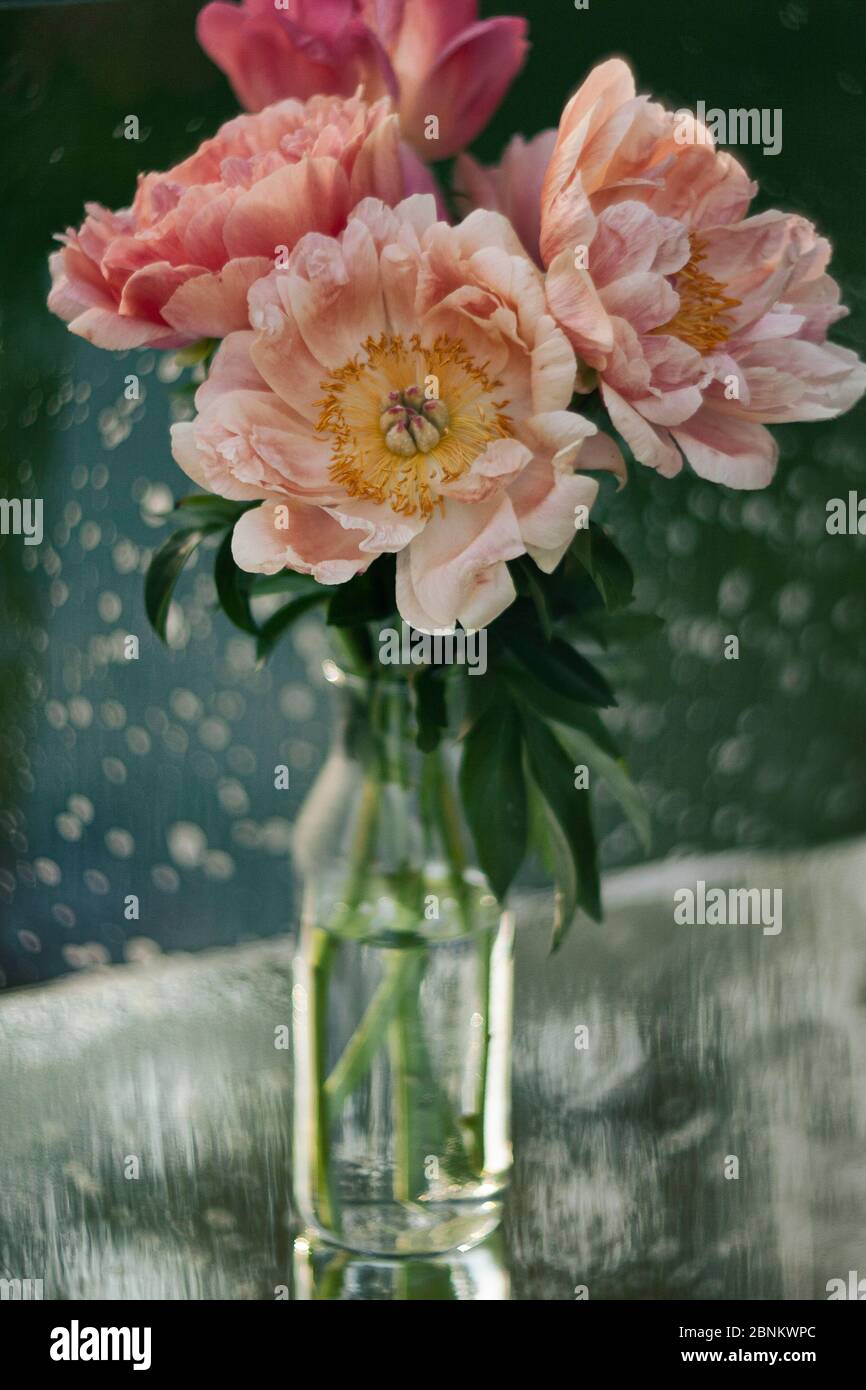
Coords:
pixel 407 393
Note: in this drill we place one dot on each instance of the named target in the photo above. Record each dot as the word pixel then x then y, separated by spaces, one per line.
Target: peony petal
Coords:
pixel 278 210
pixel 465 85
pixel 452 569
pixel 311 543
pixel 575 303
pixel 649 445
pixel 213 305
pixel 545 501
pixel 728 450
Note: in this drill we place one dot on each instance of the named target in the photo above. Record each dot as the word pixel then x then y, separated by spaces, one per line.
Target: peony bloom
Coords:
pixel 703 324
pixel 401 389
pixel 177 265
pixel 434 57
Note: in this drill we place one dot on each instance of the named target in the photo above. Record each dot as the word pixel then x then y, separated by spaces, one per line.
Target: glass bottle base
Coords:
pixel 406 1229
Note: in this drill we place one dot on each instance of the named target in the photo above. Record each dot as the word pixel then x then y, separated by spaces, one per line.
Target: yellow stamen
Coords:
pixel 700 320
pixel 385 468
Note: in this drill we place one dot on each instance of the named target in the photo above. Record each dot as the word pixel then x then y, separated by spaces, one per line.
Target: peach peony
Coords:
pixel 435 57
pixel 704 325
pixel 401 389
pixel 177 265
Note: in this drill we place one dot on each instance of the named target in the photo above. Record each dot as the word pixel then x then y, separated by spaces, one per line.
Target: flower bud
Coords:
pixel 426 436
pixel 437 413
pixel 400 441
pixel 394 415
pixel 414 397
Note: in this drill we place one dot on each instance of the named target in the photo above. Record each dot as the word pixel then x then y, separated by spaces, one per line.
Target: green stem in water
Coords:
pixel 366 1039
pixel 483 950
pixel 407 1067
pixel 451 826
pixel 321 962
pixel 321 957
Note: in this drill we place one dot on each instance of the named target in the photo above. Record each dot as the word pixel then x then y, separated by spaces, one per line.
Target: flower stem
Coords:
pixel 321 958
pixel 406 1043
pixel 483 949
pixel 364 1043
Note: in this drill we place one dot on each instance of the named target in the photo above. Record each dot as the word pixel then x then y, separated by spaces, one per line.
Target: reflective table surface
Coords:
pixel 689 1113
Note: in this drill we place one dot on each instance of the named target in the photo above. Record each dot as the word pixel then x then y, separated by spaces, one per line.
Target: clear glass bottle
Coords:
pixel 402 997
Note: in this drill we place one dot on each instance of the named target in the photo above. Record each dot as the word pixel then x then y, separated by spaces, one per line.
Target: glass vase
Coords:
pixel 402 997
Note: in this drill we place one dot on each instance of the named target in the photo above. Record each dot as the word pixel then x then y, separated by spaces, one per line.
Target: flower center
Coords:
pixel 700 320
pixel 406 419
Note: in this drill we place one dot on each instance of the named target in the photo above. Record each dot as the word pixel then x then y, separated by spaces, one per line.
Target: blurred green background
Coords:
pixel 155 777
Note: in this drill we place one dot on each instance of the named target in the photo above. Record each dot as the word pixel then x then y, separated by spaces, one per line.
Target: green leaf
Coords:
pixel 479 693
pixel 559 709
pixel 569 819
pixel 204 508
pixel 610 570
pixel 233 588
pixel 528 582
pixel 283 619
pixel 493 792
pixel 554 851
pixel 286 582
pixel 164 571
pixel 368 597
pixel 196 352
pixel 558 666
pixel 613 772
pixel 431 710
pixel 609 630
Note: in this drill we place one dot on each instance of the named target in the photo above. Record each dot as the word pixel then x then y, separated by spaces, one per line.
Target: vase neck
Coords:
pixel 384 818
pixel 373 726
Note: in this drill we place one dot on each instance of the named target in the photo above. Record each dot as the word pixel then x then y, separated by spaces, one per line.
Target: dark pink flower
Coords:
pixel 176 266
pixel 434 57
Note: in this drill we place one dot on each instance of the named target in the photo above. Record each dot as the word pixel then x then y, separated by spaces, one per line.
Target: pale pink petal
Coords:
pixel 455 567
pixel 148 289
pixel 601 454
pixel 278 350
pixel 545 500
pixel 728 450
pixel 514 188
pixel 186 453
pixel 380 530
pixel 643 298
pixel 796 380
pixel 554 367
pixel 231 369
pixel 490 472
pixel 649 445
pixel 335 294
pixel 631 237
pixel 215 304
pixel 105 328
pixel 575 303
pixel 558 434
pixel 311 542
pixel 310 196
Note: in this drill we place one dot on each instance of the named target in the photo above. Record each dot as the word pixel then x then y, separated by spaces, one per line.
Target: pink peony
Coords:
pixel 401 389
pixel 704 325
pixel 435 57
pixel 177 265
